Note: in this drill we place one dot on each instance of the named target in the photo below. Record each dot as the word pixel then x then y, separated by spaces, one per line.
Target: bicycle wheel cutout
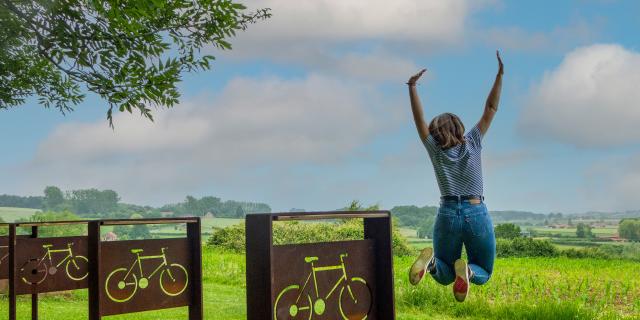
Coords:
pixel 286 307
pixel 118 288
pixel 174 280
pixel 355 300
pixel 33 272
pixel 77 268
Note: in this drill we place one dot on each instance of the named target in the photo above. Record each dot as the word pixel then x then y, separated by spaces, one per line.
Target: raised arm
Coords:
pixel 416 106
pixel 491 106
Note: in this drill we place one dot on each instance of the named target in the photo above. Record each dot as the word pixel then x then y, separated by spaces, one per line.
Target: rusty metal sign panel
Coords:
pixel 4 257
pixel 141 275
pixel 333 280
pixel 51 264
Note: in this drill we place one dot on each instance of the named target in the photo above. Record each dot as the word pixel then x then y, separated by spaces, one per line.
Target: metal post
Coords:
pixel 380 230
pixel 194 236
pixel 94 270
pixel 258 254
pixel 12 272
pixel 34 296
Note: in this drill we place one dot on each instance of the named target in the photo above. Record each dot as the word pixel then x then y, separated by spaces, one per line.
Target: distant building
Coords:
pixel 110 236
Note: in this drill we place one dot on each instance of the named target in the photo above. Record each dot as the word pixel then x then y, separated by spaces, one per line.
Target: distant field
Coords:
pixel 408 232
pixel 209 223
pixel 602 232
pixel 10 214
pixel 412 238
pixel 561 238
pixel 207 226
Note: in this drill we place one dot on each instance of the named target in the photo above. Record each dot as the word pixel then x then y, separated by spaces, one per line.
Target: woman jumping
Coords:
pixel 462 218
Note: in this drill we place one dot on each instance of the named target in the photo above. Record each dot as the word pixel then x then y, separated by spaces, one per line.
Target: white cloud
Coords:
pixel 366 40
pixel 592 99
pixel 371 67
pixel 356 20
pixel 252 125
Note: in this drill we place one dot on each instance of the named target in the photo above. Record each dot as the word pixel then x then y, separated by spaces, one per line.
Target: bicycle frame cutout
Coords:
pixel 35 264
pixel 131 280
pixel 319 306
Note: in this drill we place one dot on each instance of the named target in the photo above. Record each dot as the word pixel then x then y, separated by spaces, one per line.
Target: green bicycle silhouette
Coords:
pixel 122 284
pixel 354 297
pixel 35 270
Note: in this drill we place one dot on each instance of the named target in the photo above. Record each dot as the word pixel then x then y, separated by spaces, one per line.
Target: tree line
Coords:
pixel 215 206
pixel 94 203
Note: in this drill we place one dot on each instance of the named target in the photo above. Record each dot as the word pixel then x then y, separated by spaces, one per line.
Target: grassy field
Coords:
pixel 412 237
pixel 521 288
pixel 9 214
pixel 207 226
pixel 598 232
pixel 561 238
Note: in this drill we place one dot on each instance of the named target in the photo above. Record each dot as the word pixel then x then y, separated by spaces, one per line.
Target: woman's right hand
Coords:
pixel 415 77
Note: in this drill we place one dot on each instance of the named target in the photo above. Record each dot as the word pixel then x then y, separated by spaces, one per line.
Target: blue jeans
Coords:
pixel 459 223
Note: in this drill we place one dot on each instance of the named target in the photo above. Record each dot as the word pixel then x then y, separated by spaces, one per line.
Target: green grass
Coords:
pixel 521 288
pixel 10 214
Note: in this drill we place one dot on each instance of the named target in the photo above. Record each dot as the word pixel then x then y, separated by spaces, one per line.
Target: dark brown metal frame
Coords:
pixel 194 237
pixel 196 311
pixel 12 261
pixel 259 242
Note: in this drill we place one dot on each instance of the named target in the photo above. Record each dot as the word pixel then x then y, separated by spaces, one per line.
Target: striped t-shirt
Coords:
pixel 459 168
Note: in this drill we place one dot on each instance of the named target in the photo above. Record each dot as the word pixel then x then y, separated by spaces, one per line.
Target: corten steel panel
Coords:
pixel 4 257
pixel 51 264
pixel 141 275
pixel 333 280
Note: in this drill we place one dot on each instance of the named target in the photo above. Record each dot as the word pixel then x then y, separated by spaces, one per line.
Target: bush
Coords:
pixel 138 231
pixel 53 231
pixel 629 229
pixel 525 247
pixel 583 253
pixel 507 231
pixel 233 237
pixel 230 238
pixel 3 230
pixel 583 230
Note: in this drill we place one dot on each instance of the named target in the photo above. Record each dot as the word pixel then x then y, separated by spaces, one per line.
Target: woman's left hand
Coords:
pixel 412 81
pixel 500 65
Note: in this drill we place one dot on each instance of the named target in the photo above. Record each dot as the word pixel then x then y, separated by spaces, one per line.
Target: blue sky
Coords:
pixel 310 111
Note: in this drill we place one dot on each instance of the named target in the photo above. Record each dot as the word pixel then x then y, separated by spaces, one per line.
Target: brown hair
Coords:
pixel 447 129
